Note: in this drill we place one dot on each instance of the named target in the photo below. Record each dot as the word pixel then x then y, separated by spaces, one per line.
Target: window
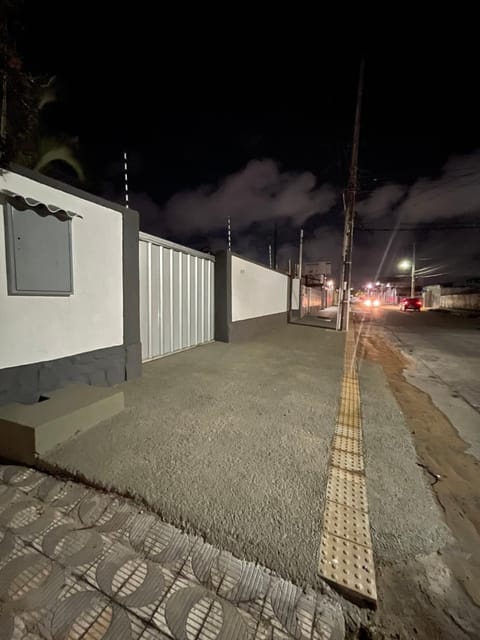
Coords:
pixel 39 252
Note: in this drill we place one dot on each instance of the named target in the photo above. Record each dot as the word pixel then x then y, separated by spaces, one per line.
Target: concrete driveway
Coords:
pixel 230 441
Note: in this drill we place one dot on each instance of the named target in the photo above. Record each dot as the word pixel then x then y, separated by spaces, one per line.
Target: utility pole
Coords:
pixel 270 255
pixel 300 263
pixel 229 234
pixel 346 279
pixel 412 280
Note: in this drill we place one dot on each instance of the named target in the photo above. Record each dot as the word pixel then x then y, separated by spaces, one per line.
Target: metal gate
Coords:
pixel 176 297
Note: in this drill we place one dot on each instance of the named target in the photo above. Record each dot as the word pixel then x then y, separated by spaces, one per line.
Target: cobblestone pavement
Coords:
pixel 78 563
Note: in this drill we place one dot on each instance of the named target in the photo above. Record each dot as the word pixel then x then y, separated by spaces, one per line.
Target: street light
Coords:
pixel 410 264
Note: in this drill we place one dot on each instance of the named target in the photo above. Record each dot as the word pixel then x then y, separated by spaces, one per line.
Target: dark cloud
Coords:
pixel 262 194
pixel 382 200
pixel 258 193
pixel 456 192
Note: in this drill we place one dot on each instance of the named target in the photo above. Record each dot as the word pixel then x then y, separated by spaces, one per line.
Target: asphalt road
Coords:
pixel 445 349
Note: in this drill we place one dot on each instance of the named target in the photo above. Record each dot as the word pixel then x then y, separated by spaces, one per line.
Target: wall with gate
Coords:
pixel 314 299
pixel 176 297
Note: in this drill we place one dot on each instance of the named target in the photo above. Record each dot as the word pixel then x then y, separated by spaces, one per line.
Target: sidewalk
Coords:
pixel 228 441
pixel 237 452
pixel 80 563
pixel 326 318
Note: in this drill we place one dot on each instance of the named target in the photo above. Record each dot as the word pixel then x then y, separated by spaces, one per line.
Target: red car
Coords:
pixel 411 303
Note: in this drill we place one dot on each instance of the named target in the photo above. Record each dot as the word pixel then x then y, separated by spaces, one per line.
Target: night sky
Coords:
pixel 249 120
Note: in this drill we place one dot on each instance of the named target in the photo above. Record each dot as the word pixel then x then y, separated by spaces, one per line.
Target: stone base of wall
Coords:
pixel 104 367
pixel 245 329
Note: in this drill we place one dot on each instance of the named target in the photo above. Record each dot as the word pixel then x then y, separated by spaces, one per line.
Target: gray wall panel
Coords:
pixel 177 297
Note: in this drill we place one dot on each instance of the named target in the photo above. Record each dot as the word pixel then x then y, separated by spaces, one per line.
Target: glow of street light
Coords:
pixel 330 283
pixel 378 284
pixel 404 264
pixel 369 285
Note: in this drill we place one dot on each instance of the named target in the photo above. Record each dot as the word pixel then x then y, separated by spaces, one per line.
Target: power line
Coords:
pixel 366 174
pixel 420 227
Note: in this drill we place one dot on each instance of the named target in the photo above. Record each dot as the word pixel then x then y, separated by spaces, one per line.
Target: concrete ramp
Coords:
pixel 29 430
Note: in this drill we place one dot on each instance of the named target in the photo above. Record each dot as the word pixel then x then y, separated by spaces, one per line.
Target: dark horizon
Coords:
pixel 194 161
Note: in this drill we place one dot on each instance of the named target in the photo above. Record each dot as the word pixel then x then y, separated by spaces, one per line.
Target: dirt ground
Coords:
pixel 436 595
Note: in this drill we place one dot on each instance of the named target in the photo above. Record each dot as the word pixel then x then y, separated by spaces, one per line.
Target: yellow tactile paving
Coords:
pixel 347 443
pixel 347 488
pixel 346 557
pixel 348 565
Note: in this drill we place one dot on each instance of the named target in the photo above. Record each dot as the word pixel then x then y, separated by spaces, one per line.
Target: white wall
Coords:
pixel 295 293
pixel 38 328
pixel 461 301
pixel 256 290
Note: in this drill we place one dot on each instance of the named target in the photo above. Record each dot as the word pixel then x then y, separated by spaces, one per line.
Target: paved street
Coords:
pixel 425 359
pixel 445 349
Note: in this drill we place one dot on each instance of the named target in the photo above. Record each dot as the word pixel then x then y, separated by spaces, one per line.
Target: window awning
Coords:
pixel 22 202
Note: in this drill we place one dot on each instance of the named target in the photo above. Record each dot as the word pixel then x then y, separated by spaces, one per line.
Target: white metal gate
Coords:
pixel 176 297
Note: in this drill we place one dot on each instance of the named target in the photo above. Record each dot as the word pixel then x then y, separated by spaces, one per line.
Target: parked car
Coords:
pixel 411 303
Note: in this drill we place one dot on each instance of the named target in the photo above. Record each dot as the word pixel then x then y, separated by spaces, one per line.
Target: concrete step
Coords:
pixel 29 430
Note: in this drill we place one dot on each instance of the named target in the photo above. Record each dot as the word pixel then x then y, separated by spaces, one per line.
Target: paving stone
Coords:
pixel 74 561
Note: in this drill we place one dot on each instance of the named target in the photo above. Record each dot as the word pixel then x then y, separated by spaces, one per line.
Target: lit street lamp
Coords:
pixel 404 265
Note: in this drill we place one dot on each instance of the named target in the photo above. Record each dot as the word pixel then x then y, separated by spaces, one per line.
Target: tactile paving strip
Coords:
pixel 347 488
pixel 347 522
pixel 348 565
pixel 355 433
pixel 347 444
pixel 348 461
pixel 346 557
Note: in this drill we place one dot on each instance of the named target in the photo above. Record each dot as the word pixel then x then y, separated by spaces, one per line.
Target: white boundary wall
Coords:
pixel 41 328
pixel 257 291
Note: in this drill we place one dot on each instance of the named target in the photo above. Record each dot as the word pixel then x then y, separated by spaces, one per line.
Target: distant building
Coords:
pixel 316 273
